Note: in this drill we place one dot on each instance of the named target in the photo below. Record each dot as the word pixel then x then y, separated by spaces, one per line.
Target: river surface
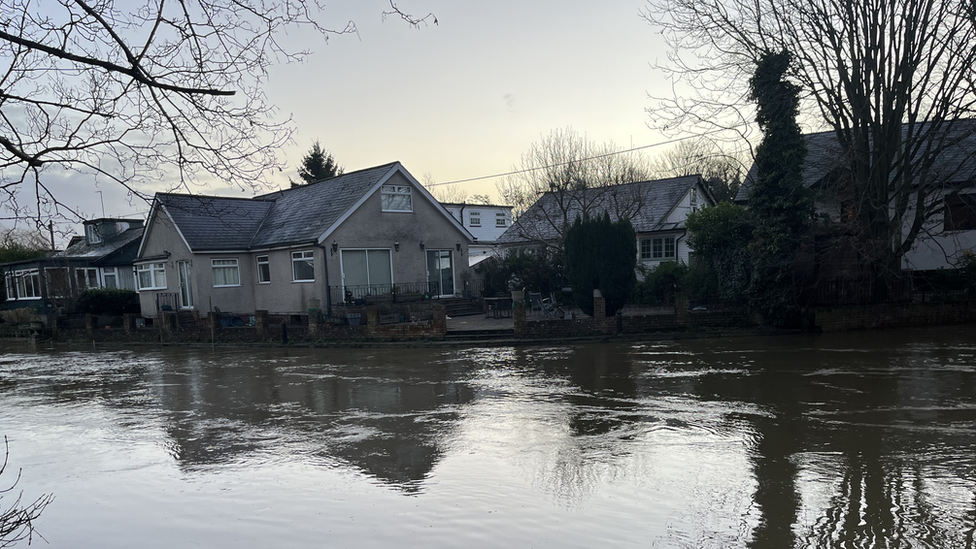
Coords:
pixel 857 440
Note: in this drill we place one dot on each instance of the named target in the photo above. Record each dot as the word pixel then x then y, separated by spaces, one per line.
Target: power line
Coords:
pixel 597 157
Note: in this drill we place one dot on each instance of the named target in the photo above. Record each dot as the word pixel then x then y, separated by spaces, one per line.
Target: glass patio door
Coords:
pixel 440 272
pixel 186 293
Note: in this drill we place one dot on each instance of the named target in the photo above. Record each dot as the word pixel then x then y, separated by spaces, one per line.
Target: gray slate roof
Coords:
pixel 292 216
pixel 646 203
pixel 825 155
pixel 94 252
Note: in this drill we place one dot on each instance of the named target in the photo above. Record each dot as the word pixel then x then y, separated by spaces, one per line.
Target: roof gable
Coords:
pixel 646 203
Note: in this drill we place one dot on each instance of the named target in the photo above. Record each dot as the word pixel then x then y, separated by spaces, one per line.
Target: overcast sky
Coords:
pixel 463 98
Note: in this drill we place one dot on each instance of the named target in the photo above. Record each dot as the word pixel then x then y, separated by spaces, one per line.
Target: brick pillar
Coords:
pixel 372 320
pixel 52 324
pixel 129 322
pixel 168 319
pixel 440 320
pixel 681 308
pixel 518 314
pixel 90 324
pixel 313 321
pixel 599 304
pixel 261 321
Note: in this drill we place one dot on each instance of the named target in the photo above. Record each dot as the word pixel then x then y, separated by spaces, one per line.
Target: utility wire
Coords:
pixel 597 157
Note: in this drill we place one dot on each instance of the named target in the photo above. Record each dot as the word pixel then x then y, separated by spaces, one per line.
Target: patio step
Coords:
pixel 462 307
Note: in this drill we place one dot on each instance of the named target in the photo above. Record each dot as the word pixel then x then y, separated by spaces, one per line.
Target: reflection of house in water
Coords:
pixel 376 421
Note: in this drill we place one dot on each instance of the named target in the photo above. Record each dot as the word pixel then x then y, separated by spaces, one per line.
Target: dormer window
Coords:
pixel 475 219
pixel 92 235
pixel 396 198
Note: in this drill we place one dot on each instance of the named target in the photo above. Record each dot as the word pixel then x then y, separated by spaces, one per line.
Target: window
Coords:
pixel 86 278
pixel 960 212
pixel 657 248
pixel 693 199
pixel 396 198
pixel 303 266
pixel 11 284
pixel 225 272
pixel 92 234
pixel 474 219
pixel 109 277
pixel 264 270
pixel 151 276
pixel 58 282
pixel 365 271
pixel 26 285
pixel 500 220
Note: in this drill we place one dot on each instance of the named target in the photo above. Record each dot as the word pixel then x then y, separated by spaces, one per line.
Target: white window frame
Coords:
pixel 157 276
pixel 301 257
pixel 389 192
pixel 501 220
pixel 28 284
pixel 474 218
pixel 656 248
pixel 228 265
pixel 264 261
pixel 110 272
pixel 85 278
pixel 11 284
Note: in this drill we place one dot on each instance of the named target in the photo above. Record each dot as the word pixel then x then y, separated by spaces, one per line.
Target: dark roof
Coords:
pixel 93 252
pixel 646 203
pixel 213 222
pixel 955 163
pixel 292 216
pixel 302 214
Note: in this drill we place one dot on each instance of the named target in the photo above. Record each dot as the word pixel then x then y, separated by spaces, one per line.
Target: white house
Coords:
pixel 485 222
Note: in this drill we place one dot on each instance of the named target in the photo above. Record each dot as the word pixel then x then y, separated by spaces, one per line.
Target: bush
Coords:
pixel 108 302
pixel 601 254
pixel 660 284
pixel 538 270
pixel 19 316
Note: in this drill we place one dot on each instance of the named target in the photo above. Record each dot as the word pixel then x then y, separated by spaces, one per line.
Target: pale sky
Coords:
pixel 464 98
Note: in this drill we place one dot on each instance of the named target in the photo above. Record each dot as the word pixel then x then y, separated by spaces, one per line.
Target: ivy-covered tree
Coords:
pixel 720 237
pixel 781 205
pixel 601 254
pixel 317 165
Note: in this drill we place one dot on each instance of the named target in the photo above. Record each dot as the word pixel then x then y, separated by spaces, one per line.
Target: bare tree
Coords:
pixel 448 194
pixel 891 80
pixel 579 176
pixel 722 171
pixel 17 519
pixel 148 93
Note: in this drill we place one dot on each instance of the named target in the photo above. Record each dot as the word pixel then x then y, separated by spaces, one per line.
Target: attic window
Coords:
pixel 475 219
pixel 396 198
pixel 92 235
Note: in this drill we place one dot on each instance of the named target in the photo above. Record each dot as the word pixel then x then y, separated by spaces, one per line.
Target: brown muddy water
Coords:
pixel 855 440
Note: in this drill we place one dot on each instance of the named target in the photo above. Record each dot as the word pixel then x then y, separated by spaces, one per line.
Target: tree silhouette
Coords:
pixel 317 165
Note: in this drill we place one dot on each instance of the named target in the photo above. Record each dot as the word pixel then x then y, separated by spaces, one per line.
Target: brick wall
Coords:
pixel 865 317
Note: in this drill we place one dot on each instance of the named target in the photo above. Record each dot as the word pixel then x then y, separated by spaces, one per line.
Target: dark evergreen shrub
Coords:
pixel 108 302
pixel 601 254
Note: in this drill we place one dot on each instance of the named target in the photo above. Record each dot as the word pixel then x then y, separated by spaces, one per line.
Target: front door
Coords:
pixel 186 293
pixel 440 272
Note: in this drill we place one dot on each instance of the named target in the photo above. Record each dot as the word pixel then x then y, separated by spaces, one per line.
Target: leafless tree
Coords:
pixel 722 171
pixel 448 194
pixel 891 79
pixel 142 93
pixel 578 175
pixel 17 519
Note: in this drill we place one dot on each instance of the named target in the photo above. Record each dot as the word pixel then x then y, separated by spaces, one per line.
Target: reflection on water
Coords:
pixel 851 440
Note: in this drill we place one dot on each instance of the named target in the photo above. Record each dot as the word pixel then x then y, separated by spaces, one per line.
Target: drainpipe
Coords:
pixel 328 294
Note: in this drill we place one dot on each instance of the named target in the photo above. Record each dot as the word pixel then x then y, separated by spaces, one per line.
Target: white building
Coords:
pixel 485 222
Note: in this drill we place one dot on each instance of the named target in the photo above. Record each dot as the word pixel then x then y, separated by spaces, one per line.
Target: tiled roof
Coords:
pixel 213 222
pixel 92 252
pixel 825 155
pixel 646 203
pixel 291 216
pixel 302 214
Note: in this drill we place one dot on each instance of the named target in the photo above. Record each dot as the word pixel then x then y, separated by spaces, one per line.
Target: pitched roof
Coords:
pixel 954 163
pixel 299 215
pixel 93 252
pixel 302 214
pixel 646 203
pixel 214 222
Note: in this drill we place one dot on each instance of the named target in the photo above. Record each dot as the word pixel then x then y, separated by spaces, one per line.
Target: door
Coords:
pixel 366 272
pixel 186 293
pixel 440 272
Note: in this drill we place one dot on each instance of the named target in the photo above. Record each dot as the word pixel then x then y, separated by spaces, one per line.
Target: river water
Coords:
pixel 850 440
